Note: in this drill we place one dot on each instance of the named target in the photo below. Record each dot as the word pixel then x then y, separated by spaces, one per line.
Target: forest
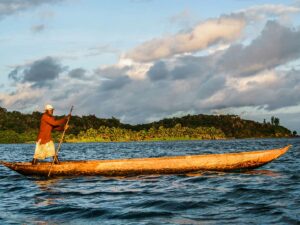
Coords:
pixel 17 127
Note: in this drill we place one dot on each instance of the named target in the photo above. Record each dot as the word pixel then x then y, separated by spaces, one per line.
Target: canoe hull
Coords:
pixel 145 166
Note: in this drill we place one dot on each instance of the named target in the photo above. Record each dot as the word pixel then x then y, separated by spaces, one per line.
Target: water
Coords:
pixel 269 195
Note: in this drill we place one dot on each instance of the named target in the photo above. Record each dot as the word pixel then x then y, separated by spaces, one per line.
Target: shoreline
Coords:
pixel 159 140
pixel 170 140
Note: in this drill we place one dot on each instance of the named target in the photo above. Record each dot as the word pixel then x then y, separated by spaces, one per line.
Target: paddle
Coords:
pixel 60 143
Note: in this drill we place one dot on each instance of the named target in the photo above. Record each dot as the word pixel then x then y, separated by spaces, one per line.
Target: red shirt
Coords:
pixel 48 123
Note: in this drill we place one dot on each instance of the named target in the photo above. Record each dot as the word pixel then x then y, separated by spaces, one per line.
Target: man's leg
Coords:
pixel 55 159
pixel 37 153
pixel 34 161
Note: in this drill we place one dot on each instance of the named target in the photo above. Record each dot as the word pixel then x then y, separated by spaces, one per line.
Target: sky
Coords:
pixel 144 60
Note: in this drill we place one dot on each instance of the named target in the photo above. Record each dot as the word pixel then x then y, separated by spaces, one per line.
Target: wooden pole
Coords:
pixel 60 143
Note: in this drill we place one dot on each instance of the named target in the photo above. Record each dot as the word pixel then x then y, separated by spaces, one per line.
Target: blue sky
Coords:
pixel 143 60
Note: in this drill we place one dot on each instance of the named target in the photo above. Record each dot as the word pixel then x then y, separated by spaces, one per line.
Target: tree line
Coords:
pixel 16 127
pixel 178 132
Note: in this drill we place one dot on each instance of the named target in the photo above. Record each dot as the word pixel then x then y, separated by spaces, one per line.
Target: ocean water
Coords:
pixel 268 195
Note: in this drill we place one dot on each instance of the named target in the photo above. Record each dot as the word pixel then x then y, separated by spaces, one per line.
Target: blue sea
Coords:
pixel 268 195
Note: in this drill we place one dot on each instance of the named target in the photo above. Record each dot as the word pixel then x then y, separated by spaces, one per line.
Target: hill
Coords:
pixel 232 125
pixel 16 127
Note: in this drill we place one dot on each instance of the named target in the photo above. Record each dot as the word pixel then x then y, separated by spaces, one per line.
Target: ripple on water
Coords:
pixel 270 195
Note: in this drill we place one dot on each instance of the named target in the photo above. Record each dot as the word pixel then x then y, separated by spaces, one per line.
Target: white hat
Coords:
pixel 48 107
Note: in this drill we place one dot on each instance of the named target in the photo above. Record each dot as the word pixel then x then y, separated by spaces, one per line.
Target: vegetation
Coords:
pixel 232 125
pixel 118 134
pixel 16 127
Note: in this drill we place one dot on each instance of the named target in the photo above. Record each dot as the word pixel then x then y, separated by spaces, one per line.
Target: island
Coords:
pixel 17 127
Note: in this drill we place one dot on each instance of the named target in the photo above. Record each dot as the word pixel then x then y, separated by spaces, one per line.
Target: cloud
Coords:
pixel 110 72
pixel 38 28
pixel 137 71
pixel 24 97
pixel 183 16
pixel 139 100
pixel 158 71
pixel 10 7
pixel 100 50
pixel 236 77
pixel 198 67
pixel 224 30
pixel 78 73
pixel 262 12
pixel 199 84
pixel 275 46
pixel 282 92
pixel 182 19
pixel 39 73
pixel 152 83
pixel 208 33
pixel 14 74
pixel 115 84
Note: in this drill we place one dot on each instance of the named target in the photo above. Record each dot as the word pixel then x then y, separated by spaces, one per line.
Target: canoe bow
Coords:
pixel 143 166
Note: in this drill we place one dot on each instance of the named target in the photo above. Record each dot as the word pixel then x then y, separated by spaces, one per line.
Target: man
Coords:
pixel 44 146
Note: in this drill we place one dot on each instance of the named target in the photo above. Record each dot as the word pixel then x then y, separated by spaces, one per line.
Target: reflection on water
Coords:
pixel 269 195
pixel 198 174
pixel 45 184
pixel 44 201
pixel 264 172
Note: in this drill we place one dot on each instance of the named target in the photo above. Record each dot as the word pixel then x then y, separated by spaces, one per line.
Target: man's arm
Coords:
pixel 59 128
pixel 53 122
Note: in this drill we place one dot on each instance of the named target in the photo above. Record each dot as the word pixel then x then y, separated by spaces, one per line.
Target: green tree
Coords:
pixel 9 136
pixel 276 121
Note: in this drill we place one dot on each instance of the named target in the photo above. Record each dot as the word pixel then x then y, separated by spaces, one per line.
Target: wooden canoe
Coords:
pixel 142 166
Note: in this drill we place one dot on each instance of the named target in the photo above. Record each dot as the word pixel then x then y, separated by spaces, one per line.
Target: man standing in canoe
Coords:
pixel 45 146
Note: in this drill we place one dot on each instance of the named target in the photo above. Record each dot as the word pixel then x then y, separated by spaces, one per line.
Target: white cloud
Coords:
pixel 165 77
pixel 275 46
pixel 22 98
pixel 224 31
pixel 262 12
pixel 137 70
pixel 268 78
pixel 206 34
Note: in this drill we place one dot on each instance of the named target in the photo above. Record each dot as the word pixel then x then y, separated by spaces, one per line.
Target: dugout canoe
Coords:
pixel 145 166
